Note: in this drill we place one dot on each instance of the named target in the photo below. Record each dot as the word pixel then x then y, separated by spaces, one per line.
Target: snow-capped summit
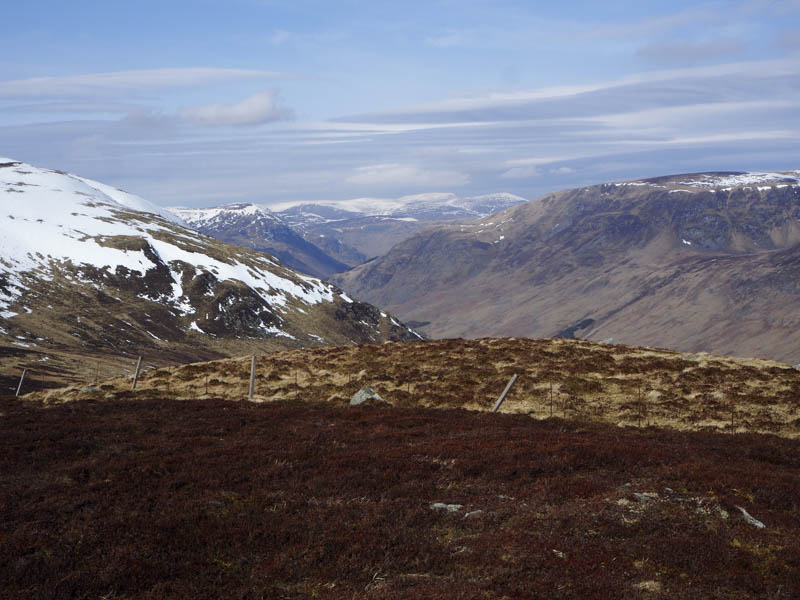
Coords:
pixel 40 185
pixel 259 228
pixel 198 218
pixel 85 265
pixel 428 206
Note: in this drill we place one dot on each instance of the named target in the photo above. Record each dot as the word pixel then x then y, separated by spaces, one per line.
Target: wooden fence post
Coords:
pixel 136 374
pixel 505 393
pixel 21 379
pixel 252 378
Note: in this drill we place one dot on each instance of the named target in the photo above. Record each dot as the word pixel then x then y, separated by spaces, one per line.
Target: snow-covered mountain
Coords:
pixel 435 206
pixel 259 228
pixel 354 230
pixel 87 267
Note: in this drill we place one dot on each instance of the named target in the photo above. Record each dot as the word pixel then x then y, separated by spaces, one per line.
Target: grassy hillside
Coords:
pixel 574 379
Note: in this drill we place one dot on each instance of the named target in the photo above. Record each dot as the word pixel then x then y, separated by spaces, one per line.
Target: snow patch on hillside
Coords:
pixel 740 179
pixel 48 218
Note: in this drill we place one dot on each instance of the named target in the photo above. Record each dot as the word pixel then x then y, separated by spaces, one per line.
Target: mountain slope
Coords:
pixel 695 262
pixel 354 230
pixel 260 229
pixel 85 269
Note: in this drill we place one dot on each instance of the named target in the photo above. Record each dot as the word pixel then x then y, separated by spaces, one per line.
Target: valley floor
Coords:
pixel 210 498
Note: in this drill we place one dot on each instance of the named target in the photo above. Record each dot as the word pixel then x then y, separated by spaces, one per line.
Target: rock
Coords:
pixel 645 497
pixel 473 513
pixel 367 395
pixel 90 390
pixel 447 507
pixel 751 520
pixel 649 586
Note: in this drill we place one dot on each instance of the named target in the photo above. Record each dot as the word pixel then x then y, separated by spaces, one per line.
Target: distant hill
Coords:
pixel 260 229
pixel 354 231
pixel 705 261
pixel 86 269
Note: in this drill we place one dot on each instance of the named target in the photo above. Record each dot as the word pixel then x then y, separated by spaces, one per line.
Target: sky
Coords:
pixel 201 103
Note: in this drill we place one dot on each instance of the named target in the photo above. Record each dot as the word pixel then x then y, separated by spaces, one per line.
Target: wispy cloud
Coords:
pixel 388 175
pixel 448 40
pixel 734 82
pixel 256 109
pixel 789 40
pixel 521 173
pixel 280 37
pixel 90 85
pixel 684 52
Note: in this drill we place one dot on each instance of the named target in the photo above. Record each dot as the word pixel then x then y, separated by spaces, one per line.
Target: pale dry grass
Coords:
pixel 590 381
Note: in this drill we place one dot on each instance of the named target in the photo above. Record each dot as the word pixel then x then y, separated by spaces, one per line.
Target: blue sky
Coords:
pixel 199 103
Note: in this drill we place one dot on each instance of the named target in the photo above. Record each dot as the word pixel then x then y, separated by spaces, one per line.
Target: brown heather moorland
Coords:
pixel 659 475
pixel 154 498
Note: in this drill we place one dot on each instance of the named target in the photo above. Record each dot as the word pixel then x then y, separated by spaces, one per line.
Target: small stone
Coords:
pixel 367 395
pixel 645 497
pixel 473 513
pixel 751 520
pixel 90 390
pixel 447 507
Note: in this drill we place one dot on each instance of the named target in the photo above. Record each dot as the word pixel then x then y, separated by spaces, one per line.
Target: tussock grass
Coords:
pixel 594 382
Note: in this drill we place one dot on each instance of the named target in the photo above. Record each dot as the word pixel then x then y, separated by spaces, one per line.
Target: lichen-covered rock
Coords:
pixel 367 396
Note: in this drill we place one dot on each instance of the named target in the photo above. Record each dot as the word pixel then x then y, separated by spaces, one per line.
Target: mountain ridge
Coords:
pixel 82 273
pixel 693 262
pixel 258 228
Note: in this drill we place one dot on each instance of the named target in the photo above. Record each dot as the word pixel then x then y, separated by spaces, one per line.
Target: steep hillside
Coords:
pixel 260 229
pixel 86 270
pixel 694 262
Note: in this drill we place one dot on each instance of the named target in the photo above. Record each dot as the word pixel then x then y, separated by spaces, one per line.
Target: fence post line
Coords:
pixel 505 393
pixel 21 379
pixel 136 374
pixel 252 378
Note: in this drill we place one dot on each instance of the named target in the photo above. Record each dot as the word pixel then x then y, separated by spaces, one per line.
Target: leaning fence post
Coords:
pixel 19 387
pixel 136 373
pixel 252 378
pixel 505 393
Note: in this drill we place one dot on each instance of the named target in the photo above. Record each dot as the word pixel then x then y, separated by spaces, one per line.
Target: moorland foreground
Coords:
pixel 647 474
pixel 210 498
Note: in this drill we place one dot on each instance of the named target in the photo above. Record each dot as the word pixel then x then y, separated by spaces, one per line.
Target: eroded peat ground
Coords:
pixel 210 498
